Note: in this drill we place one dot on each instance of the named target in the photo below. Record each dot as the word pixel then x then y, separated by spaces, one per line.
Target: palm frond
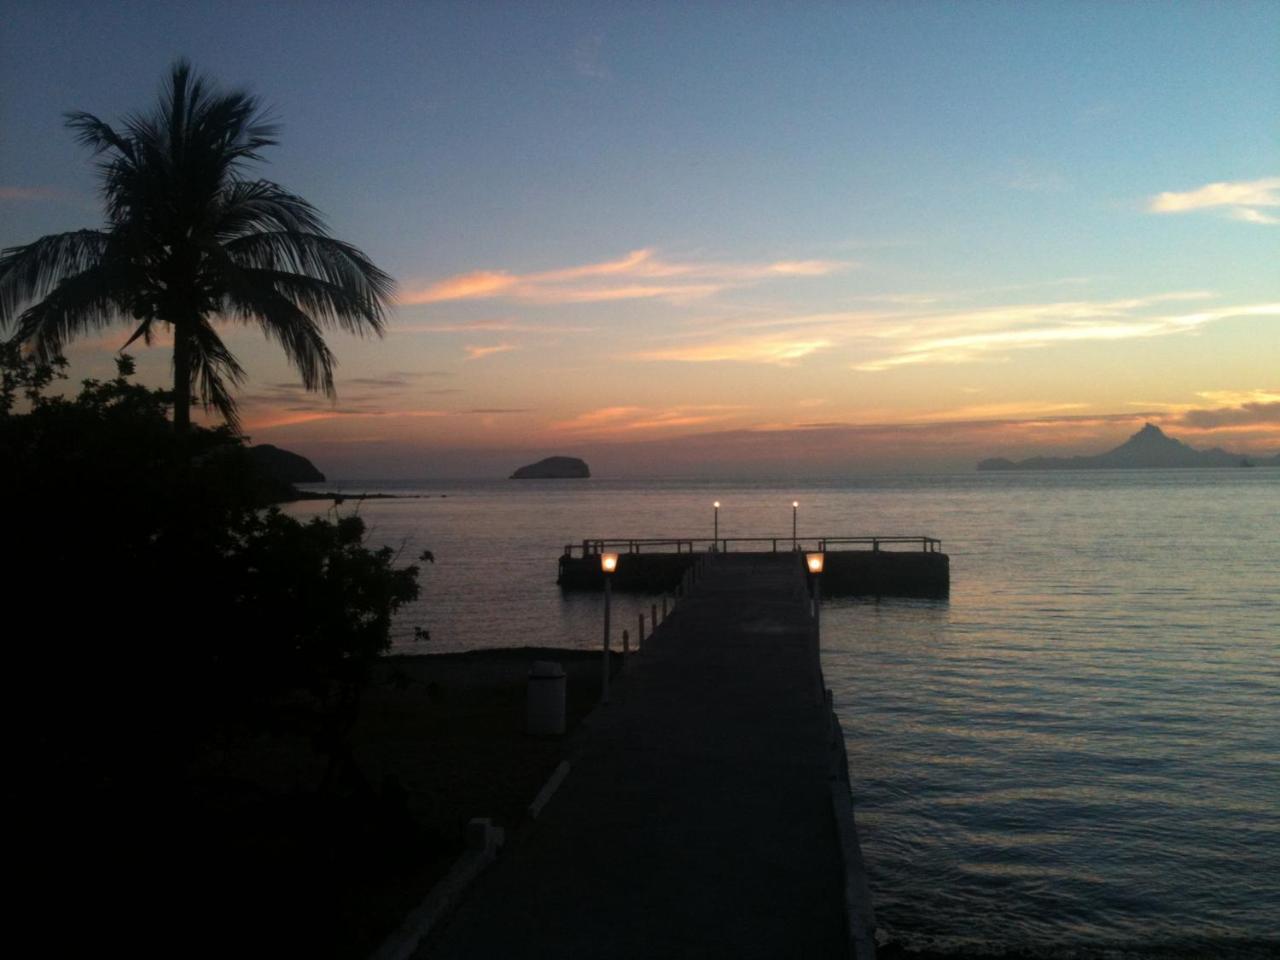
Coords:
pixel 255 206
pixel 254 295
pixel 28 273
pixel 143 330
pixel 215 371
pixel 97 135
pixel 298 335
pixel 89 300
pixel 323 258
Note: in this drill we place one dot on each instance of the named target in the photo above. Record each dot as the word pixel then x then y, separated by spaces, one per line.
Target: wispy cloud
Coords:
pixel 395 394
pixel 1005 411
pixel 1245 415
pixel 480 352
pixel 272 419
pixel 1223 410
pixel 14 194
pixel 1240 199
pixel 629 420
pixel 915 332
pixel 1249 215
pixel 491 326
pixel 641 274
pixel 29 193
pixel 975 335
pixel 780 349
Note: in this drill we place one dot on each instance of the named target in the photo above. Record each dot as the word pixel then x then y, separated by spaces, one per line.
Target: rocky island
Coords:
pixel 554 468
pixel 284 465
pixel 1149 448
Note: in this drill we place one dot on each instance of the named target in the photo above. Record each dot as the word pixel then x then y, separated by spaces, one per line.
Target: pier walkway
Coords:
pixel 697 817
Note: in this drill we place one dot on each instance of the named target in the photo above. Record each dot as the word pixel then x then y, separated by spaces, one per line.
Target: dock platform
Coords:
pixel 706 812
pixel 879 566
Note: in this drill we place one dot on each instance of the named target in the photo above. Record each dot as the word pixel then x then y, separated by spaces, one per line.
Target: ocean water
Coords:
pixel 1077 754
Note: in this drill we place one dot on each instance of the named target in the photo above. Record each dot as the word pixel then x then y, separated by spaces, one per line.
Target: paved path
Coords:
pixel 697 818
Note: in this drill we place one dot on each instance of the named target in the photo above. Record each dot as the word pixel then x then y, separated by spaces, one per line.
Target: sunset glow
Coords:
pixel 900 241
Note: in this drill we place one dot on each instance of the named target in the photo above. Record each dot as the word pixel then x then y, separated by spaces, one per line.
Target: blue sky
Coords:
pixel 831 204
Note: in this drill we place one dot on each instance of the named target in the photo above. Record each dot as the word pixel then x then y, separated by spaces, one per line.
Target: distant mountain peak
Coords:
pixel 1151 435
pixel 1149 447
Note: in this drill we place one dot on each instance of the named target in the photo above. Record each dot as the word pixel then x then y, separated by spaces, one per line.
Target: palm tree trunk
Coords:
pixel 181 380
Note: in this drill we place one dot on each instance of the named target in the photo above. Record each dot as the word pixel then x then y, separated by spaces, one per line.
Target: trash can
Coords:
pixel 544 714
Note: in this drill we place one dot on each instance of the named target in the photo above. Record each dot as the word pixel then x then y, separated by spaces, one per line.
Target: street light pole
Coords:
pixel 717 526
pixel 608 564
pixel 815 563
pixel 795 510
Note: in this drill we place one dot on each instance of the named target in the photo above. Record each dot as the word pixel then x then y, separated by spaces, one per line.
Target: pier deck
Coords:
pixel 883 566
pixel 697 818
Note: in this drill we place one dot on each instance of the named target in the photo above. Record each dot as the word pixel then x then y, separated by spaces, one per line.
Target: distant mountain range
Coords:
pixel 1149 448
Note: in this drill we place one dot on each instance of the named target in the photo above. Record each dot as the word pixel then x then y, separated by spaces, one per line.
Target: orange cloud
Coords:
pixel 29 193
pixel 490 326
pixel 478 353
pixel 466 286
pixel 782 350
pixel 271 419
pixel 624 420
pixel 630 277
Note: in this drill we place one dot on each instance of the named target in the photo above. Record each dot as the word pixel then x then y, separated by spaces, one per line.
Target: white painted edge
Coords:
pixel 404 942
pixel 549 788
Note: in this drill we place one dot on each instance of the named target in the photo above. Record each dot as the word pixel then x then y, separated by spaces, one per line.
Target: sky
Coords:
pixel 757 240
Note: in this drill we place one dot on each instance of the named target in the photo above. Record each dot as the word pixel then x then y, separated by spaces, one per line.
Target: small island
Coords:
pixel 284 465
pixel 554 468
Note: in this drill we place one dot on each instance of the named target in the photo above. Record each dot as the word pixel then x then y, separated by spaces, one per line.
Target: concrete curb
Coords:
pixel 549 789
pixel 484 840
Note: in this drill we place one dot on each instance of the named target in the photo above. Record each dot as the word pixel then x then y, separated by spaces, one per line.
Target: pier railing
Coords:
pixel 590 547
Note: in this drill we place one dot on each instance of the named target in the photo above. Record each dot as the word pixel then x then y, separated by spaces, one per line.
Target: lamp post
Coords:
pixel 608 564
pixel 815 563
pixel 795 511
pixel 716 527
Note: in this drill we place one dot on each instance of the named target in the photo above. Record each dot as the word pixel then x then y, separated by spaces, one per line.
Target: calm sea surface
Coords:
pixel 1077 754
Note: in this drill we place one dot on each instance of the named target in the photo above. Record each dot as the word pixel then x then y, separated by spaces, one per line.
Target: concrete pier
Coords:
pixel 704 812
pixel 863 566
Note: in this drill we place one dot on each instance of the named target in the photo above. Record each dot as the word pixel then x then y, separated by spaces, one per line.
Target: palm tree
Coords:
pixel 190 240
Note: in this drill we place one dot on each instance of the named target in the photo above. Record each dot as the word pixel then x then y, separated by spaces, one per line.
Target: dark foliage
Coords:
pixel 156 614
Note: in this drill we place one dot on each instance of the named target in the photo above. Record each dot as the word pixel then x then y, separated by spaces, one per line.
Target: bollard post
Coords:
pixel 604 674
pixel 817 607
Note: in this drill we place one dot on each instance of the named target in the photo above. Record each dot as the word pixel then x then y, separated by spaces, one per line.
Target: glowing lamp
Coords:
pixel 795 504
pixel 716 504
pixel 608 562
pixel 814 560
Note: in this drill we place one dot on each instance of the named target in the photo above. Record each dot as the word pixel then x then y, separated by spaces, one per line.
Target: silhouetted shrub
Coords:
pixel 154 607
